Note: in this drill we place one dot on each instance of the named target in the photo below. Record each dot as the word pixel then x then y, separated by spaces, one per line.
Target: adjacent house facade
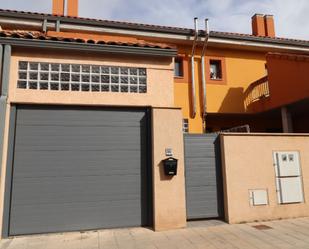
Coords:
pixel 90 109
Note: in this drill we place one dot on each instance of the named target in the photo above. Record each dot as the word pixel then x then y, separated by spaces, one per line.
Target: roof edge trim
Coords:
pixel 113 49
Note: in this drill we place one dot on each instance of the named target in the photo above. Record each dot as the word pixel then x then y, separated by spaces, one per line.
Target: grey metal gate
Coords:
pixel 204 194
pixel 79 169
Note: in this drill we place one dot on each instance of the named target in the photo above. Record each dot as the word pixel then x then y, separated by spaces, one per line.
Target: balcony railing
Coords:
pixel 256 91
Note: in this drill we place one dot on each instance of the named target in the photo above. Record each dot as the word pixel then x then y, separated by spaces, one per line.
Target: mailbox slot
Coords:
pixel 170 166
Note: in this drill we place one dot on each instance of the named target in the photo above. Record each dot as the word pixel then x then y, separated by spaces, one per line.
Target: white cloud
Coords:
pixel 291 16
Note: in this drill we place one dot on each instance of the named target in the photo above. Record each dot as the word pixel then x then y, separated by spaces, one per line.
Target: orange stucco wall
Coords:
pixel 288 81
pixel 58 7
pixel 241 69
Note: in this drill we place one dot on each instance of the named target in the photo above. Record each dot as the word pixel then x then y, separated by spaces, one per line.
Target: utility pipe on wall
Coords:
pixel 193 97
pixel 204 112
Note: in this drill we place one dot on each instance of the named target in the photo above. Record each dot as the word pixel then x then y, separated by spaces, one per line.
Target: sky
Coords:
pixel 291 16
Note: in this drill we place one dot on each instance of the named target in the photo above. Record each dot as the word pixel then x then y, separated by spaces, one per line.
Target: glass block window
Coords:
pixel 84 78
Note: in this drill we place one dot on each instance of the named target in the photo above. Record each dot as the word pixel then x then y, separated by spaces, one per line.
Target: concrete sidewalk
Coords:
pixel 212 234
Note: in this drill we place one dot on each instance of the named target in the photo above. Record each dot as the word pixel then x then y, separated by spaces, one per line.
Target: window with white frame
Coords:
pixel 185 125
pixel 81 77
pixel 215 69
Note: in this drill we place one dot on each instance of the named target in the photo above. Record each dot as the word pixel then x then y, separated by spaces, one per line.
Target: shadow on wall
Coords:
pixel 219 177
pixel 146 171
pixel 200 90
pixel 233 101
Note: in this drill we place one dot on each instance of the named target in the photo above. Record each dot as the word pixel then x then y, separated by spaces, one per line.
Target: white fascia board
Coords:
pixel 125 31
pixel 262 45
pixel 212 40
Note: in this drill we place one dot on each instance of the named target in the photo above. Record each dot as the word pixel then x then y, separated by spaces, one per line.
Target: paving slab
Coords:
pixel 207 234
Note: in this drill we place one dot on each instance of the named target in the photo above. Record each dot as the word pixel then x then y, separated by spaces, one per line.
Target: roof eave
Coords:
pixel 267 40
pixel 69 23
pixel 102 48
pixel 248 44
pixel 105 23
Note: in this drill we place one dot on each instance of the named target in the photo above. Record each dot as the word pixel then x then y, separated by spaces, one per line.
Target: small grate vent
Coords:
pixel 262 227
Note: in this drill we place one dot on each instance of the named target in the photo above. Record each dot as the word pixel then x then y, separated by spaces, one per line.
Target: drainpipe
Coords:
pixel 204 112
pixel 193 97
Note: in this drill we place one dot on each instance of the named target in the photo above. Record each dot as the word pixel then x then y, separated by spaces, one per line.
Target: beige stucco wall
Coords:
pixel 247 162
pixel 168 192
pixel 160 76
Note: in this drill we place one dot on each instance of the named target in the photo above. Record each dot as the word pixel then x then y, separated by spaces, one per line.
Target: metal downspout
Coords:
pixel 204 112
pixel 193 97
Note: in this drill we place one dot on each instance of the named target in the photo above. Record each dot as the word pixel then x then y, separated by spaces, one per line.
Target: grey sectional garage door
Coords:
pixel 78 169
pixel 204 195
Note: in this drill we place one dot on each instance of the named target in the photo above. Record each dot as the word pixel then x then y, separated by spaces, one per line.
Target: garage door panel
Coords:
pixel 58 164
pixel 79 144
pixel 58 172
pixel 52 131
pixel 73 217
pixel 200 169
pixel 195 155
pixel 74 183
pixel 78 169
pixel 72 156
pixel 71 186
pixel 201 160
pixel 77 208
pixel 76 200
pixel 194 175
pixel 200 194
pixel 36 117
pixel 203 190
pixel 196 182
pixel 92 134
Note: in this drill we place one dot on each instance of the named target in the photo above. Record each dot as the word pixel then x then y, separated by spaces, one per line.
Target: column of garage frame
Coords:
pixel 5 58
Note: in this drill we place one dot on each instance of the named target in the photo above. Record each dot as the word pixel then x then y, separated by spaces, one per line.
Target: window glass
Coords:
pixel 215 70
pixel 178 70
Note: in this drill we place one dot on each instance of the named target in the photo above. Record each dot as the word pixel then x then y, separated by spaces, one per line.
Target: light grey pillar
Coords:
pixel 5 57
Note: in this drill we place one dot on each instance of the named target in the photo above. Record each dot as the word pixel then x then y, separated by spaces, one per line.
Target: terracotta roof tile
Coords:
pixel 22 34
